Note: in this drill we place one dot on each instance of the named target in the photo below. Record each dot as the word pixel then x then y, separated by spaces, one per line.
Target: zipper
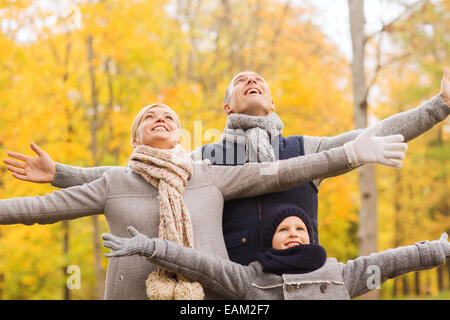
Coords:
pixel 259 211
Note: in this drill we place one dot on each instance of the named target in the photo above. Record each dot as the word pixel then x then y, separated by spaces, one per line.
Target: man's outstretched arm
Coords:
pixel 410 124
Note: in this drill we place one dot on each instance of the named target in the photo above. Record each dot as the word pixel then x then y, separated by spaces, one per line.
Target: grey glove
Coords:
pixel 367 148
pixel 138 244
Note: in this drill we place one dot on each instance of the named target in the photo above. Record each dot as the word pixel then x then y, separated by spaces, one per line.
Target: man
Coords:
pixel 253 134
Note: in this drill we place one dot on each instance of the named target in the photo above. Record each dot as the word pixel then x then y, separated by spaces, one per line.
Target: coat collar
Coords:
pixel 330 272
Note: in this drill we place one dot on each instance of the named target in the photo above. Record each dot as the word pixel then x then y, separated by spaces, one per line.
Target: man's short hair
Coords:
pixel 230 86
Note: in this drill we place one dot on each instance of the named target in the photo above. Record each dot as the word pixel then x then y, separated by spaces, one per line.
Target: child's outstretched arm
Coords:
pixel 223 276
pixel 366 273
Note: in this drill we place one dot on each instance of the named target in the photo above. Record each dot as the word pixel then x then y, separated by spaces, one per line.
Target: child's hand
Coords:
pixel 445 244
pixel 367 148
pixel 138 244
pixel 445 86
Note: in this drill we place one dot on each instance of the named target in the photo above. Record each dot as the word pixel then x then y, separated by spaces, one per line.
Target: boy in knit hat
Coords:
pixel 291 267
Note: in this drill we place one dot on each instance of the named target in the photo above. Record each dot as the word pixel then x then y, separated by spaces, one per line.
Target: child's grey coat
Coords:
pixel 335 280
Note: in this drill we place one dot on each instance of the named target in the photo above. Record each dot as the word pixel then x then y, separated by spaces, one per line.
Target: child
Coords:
pixel 289 268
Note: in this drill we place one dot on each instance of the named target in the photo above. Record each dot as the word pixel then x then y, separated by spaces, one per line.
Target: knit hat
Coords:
pixel 272 220
pixel 298 259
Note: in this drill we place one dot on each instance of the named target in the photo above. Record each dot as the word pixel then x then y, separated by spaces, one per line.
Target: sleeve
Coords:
pixel 365 273
pixel 227 278
pixel 65 204
pixel 254 179
pixel 68 176
pixel 410 124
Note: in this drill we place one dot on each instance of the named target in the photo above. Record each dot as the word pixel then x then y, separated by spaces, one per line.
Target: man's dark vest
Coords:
pixel 242 217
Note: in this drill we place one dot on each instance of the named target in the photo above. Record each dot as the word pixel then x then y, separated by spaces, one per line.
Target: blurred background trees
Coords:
pixel 73 74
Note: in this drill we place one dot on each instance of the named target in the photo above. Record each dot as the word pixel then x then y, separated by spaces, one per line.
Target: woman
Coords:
pixel 148 193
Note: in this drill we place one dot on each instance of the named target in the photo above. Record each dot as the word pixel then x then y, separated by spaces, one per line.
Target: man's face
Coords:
pixel 249 95
pixel 158 129
pixel 291 232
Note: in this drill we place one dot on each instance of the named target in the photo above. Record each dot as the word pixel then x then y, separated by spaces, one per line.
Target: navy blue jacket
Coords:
pixel 242 217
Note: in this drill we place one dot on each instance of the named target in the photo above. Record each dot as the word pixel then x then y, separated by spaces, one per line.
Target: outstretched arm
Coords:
pixel 254 179
pixel 410 124
pixel 66 204
pixel 223 276
pixel 365 273
pixel 42 169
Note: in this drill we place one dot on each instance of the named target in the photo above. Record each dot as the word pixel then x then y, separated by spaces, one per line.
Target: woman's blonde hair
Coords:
pixel 137 121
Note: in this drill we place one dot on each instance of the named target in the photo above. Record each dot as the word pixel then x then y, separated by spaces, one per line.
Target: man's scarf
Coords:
pixel 256 133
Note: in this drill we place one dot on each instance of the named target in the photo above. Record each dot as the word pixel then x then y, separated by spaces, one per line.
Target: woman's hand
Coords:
pixel 445 86
pixel 138 244
pixel 39 169
pixel 367 148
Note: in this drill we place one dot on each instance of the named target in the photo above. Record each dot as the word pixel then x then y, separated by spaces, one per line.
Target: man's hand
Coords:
pixel 445 86
pixel 39 169
pixel 367 148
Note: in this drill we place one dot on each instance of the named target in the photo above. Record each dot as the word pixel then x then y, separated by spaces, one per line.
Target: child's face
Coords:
pixel 290 232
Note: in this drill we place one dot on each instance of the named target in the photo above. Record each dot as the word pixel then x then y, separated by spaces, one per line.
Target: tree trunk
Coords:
pixel 440 278
pixel 394 288
pixel 448 275
pixel 417 283
pixel 406 289
pixel 94 126
pixel 65 224
pixel 397 226
pixel 2 276
pixel 367 183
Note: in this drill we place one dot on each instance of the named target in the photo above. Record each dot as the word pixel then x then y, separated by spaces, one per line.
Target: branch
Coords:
pixel 381 66
pixel 387 27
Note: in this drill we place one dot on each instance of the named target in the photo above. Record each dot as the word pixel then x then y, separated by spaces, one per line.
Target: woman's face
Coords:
pixel 158 129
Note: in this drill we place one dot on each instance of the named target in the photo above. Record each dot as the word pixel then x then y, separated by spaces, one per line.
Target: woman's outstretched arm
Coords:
pixel 42 169
pixel 66 204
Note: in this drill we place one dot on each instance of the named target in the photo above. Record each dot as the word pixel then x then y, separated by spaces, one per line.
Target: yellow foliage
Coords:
pixel 185 55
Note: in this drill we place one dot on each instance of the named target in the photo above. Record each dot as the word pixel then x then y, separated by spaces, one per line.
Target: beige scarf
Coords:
pixel 169 172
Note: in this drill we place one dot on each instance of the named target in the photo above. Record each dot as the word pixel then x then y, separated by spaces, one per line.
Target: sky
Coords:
pixel 333 18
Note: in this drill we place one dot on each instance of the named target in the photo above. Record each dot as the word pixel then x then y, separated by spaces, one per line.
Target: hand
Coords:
pixel 445 244
pixel 367 148
pixel 39 169
pixel 445 86
pixel 138 244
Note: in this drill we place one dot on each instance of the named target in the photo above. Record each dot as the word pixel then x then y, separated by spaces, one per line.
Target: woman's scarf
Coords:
pixel 299 259
pixel 256 133
pixel 168 171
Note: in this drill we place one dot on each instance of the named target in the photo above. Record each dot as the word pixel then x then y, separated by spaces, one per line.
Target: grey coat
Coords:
pixel 334 281
pixel 127 199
